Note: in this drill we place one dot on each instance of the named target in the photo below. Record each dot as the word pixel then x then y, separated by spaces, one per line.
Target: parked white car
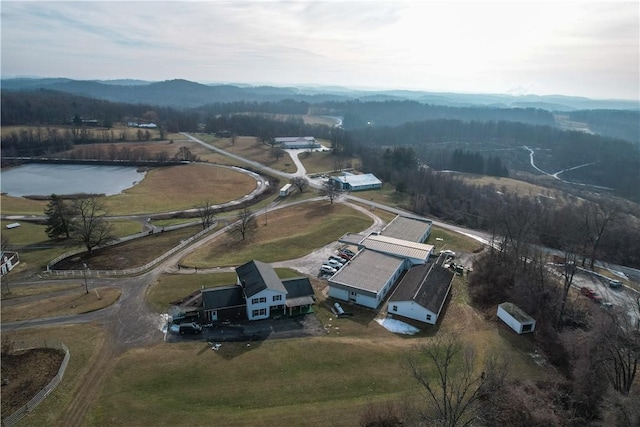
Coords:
pixel 325 268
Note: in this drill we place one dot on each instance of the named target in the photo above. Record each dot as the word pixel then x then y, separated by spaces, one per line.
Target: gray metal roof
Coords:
pixel 404 228
pixel 426 284
pixel 516 312
pixel 352 238
pixel 358 180
pixel 256 276
pixel 368 271
pixel 398 247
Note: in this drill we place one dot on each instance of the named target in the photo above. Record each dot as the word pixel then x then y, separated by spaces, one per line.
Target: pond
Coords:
pixel 41 179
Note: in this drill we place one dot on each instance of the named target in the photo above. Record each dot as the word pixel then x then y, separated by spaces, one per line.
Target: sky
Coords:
pixel 579 48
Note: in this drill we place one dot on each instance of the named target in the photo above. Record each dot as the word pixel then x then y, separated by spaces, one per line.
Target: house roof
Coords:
pixel 299 291
pixel 256 276
pixel 398 247
pixel 358 180
pixel 516 312
pixel 222 297
pixel 426 284
pixel 368 270
pixel 405 228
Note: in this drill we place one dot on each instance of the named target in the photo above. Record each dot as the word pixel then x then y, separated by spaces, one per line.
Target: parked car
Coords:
pixel 326 268
pixel 448 252
pixel 186 328
pixel 615 284
pixel 591 294
pixel 344 256
pixel 347 251
pixel 335 264
pixel 342 261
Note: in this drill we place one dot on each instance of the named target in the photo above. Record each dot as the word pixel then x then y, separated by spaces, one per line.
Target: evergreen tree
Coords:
pixel 59 215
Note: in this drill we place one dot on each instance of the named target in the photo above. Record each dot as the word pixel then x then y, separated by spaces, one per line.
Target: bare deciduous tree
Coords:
pixel 300 183
pixel 245 222
pixel 277 152
pixel 452 388
pixel 331 189
pixel 89 226
pixel 206 212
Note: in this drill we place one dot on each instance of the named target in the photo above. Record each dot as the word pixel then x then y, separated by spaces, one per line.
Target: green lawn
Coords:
pixel 288 233
pixel 450 240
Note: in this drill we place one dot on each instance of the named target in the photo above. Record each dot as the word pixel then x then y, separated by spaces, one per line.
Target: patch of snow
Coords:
pixel 162 324
pixel 397 327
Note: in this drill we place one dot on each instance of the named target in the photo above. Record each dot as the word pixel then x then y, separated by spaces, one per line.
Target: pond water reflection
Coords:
pixel 40 179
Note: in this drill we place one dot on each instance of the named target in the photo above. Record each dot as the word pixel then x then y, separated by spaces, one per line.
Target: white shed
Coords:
pixel 517 319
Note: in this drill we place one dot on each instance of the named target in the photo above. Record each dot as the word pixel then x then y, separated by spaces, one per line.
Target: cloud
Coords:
pixel 460 46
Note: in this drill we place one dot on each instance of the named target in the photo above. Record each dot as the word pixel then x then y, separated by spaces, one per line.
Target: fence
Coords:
pixel 12 419
pixel 130 271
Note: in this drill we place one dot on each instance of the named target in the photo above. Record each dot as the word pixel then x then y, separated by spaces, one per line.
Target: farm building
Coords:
pixel 285 190
pixel 297 142
pixel 224 304
pixel 367 278
pixel 411 229
pixel 258 294
pixel 352 182
pixel 421 293
pixel 415 253
pixel 517 319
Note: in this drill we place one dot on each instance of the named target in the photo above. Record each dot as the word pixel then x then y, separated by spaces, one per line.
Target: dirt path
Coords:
pixel 99 368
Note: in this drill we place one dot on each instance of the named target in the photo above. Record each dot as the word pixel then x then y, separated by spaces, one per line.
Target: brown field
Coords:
pixel 76 303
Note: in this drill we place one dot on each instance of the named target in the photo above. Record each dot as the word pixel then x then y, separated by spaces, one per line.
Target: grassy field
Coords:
pixel 326 380
pixel 84 341
pixel 289 233
pixel 250 148
pixel 452 241
pixel 162 190
pixel 131 254
pixel 76 303
pixel 37 289
pixel 387 195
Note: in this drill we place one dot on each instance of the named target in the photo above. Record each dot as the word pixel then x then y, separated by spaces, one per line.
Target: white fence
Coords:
pixel 12 419
pixel 130 271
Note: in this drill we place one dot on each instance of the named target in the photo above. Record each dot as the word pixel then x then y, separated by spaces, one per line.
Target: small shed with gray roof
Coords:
pixel 422 293
pixel 517 319
pixel 367 278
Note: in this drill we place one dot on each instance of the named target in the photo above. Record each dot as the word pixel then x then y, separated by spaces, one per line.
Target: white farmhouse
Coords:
pixel 263 289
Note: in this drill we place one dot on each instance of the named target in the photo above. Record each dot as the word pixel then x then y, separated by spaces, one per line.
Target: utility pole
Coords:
pixel 84 273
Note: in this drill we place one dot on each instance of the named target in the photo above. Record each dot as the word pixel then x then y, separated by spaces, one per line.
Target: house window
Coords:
pixel 277 297
pixel 428 317
pixel 258 300
pixel 263 299
pixel 254 301
pixel 259 312
pixel 394 308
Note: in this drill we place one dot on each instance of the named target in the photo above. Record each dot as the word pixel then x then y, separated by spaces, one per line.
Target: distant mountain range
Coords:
pixel 187 94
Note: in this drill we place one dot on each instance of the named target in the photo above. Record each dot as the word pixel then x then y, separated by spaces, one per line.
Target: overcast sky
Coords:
pixel 583 48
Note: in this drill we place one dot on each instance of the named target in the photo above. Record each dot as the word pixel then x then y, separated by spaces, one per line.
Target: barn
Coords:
pixel 517 319
pixel 352 182
pixel 421 293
